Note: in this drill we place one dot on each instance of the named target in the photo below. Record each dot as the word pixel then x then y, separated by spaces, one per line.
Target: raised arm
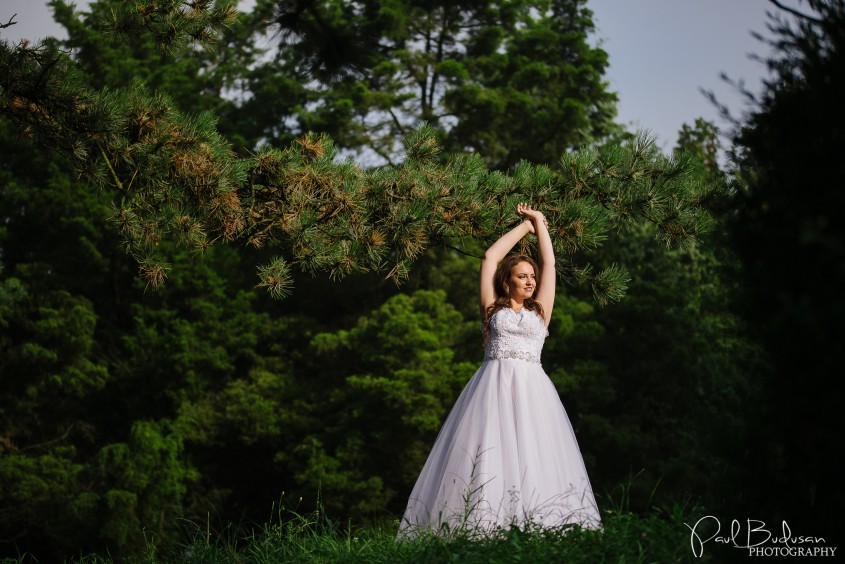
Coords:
pixel 548 279
pixel 492 256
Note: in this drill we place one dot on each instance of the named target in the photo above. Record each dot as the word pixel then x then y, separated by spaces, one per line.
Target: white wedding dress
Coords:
pixel 506 453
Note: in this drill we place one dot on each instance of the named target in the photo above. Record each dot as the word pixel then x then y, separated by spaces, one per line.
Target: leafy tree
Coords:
pixel 50 350
pixel 112 44
pixel 508 80
pixel 663 384
pixel 789 239
pixel 72 476
pixel 702 140
pixel 89 459
pixel 532 91
pixel 394 377
pixel 346 415
pixel 147 480
pixel 49 373
pixel 112 61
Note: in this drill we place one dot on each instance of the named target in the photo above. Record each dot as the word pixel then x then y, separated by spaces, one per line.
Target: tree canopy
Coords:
pixel 174 176
pixel 507 80
pixel 790 242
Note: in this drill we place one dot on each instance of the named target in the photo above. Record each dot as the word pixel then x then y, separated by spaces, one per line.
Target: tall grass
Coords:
pixel 624 537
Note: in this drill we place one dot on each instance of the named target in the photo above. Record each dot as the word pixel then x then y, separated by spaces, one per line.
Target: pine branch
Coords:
pixel 797 13
pixel 10 23
pixel 174 23
pixel 325 215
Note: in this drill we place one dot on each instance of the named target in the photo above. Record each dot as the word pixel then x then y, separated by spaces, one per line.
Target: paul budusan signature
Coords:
pixel 755 535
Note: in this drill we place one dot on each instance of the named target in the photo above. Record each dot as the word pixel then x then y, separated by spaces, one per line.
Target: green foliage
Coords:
pixel 333 216
pixel 340 219
pixel 147 478
pixel 701 140
pixel 315 538
pixel 113 55
pixel 49 355
pixel 45 499
pixel 328 417
pixel 395 376
pixel 48 346
pixel 662 379
pixel 530 87
pixel 508 80
pixel 174 24
pixel 668 379
pixel 789 237
pixel 276 277
pixel 173 176
pixel 56 413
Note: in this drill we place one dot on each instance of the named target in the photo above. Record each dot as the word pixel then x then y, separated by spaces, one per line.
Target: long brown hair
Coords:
pixel 500 284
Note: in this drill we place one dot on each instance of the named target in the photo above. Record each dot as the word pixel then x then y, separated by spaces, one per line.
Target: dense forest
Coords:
pixel 242 275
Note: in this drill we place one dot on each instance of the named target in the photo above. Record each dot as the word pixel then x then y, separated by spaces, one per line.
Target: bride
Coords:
pixel 506 454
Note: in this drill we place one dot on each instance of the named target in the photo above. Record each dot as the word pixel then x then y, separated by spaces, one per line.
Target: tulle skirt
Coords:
pixel 506 455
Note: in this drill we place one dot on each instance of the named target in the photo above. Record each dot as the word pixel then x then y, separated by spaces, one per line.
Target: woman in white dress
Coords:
pixel 506 454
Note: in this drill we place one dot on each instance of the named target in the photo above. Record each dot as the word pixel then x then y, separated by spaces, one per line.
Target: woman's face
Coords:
pixel 523 281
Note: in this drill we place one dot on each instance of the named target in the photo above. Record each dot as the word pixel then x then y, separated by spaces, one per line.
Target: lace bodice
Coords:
pixel 515 335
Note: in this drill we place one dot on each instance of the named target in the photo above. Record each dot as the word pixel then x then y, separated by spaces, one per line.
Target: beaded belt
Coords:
pixel 521 355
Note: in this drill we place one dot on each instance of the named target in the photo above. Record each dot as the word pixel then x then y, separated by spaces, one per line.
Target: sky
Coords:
pixel 661 52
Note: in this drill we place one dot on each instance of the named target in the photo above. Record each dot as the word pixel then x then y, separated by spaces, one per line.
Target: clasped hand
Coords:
pixel 533 216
